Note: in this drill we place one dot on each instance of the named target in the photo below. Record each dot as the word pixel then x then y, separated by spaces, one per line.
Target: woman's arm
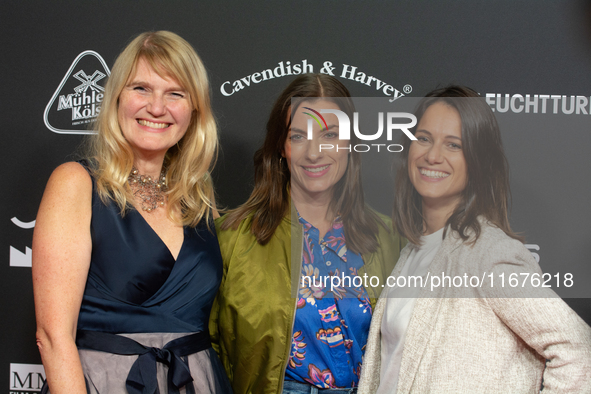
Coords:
pixel 558 334
pixel 227 240
pixel 542 320
pixel 61 259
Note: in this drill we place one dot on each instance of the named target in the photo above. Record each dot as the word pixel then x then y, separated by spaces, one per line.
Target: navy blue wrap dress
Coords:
pixel 158 307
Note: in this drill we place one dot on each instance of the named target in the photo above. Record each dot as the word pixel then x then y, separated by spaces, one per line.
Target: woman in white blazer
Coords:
pixel 480 335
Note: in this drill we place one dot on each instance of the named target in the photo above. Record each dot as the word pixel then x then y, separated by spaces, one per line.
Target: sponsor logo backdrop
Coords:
pixel 531 61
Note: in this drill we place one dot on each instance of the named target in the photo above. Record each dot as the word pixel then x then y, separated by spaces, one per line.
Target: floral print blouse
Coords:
pixel 331 327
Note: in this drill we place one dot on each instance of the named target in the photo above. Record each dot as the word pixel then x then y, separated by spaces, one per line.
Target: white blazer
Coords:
pixel 485 339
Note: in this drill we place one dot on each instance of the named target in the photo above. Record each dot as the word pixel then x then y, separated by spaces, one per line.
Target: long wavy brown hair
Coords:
pixel 270 200
pixel 487 192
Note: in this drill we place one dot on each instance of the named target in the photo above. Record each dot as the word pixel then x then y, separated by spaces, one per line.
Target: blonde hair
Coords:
pixel 190 187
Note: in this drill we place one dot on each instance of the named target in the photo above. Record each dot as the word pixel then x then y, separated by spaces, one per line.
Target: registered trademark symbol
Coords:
pixel 407 89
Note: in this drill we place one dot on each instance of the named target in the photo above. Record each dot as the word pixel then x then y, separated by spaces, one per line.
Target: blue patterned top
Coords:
pixel 331 327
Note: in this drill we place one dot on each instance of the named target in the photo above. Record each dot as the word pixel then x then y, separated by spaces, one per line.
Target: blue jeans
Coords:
pixel 293 387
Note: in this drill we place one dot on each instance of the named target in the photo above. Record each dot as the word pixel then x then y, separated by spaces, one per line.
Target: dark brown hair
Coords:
pixel 270 199
pixel 487 192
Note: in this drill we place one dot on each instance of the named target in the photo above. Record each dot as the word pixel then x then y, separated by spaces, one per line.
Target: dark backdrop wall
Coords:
pixel 499 48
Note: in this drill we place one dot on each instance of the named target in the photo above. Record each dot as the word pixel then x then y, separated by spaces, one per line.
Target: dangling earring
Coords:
pixel 281 161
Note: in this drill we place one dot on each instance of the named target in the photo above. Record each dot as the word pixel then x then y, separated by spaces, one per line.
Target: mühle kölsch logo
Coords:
pixel 77 101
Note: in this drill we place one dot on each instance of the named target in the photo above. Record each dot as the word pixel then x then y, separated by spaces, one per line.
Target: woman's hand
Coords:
pixel 61 259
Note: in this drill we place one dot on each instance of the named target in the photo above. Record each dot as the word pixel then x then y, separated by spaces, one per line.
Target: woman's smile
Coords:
pixel 436 164
pixel 432 174
pixel 315 171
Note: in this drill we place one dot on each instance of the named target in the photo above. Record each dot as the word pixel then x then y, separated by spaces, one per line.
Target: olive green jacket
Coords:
pixel 252 316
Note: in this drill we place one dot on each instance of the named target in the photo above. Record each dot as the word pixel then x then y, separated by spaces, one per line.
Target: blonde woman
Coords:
pixel 126 262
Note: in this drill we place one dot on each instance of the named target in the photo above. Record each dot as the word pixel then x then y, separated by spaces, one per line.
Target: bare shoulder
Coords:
pixel 67 196
pixel 70 182
pixel 70 175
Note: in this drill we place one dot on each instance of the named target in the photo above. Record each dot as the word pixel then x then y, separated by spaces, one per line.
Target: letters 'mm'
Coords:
pixel 29 382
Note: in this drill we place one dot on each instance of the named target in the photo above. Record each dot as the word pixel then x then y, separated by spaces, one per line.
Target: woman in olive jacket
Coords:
pixel 306 216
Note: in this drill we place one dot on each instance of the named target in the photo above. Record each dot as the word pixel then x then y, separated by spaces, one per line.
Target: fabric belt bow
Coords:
pixel 142 378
